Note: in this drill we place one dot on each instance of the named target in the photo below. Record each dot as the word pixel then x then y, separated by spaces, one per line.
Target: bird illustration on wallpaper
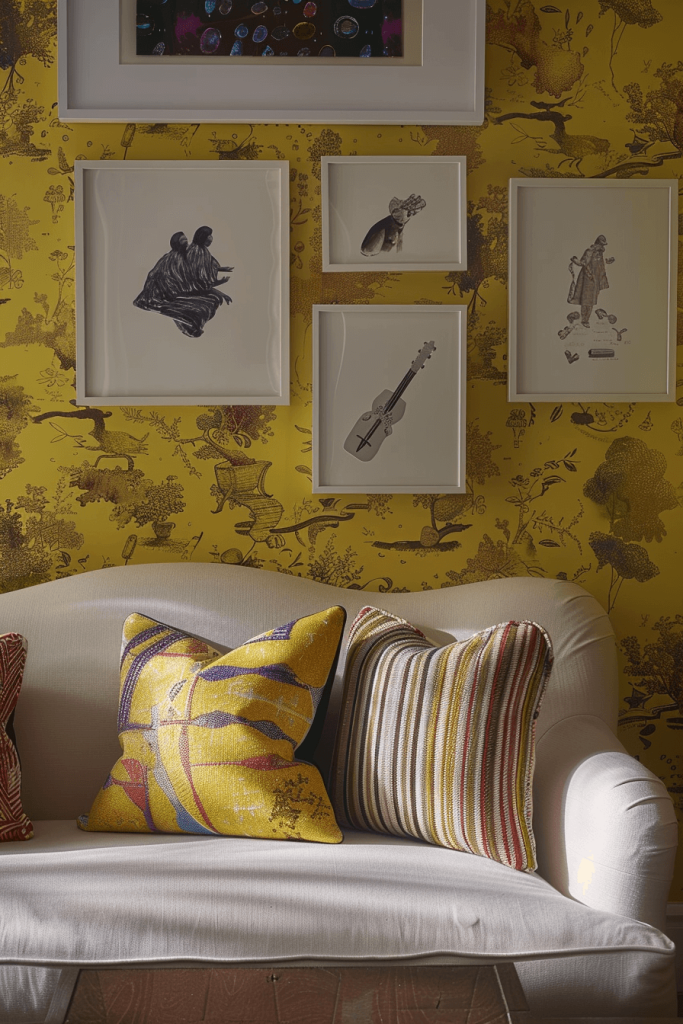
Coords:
pixel 387 234
pixel 584 291
pixel 373 427
pixel 183 283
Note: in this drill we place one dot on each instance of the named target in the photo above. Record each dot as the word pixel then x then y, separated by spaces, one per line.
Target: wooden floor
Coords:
pixel 364 995
pixel 360 995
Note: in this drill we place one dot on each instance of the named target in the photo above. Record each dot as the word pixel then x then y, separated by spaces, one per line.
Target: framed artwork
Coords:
pixel 389 399
pixel 302 61
pixel 394 212
pixel 182 286
pixel 312 30
pixel 593 276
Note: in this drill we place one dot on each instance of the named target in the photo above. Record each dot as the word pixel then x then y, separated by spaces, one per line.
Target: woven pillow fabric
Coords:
pixel 209 739
pixel 13 822
pixel 438 743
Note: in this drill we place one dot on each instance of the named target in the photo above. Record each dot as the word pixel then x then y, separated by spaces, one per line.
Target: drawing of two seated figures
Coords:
pixel 183 283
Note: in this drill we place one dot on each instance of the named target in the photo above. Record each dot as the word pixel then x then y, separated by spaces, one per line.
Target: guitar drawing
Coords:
pixel 373 427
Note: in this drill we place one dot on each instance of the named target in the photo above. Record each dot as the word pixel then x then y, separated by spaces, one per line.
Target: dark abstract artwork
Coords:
pixel 182 284
pixel 283 28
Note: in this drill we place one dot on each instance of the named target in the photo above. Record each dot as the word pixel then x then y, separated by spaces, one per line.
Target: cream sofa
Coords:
pixel 583 932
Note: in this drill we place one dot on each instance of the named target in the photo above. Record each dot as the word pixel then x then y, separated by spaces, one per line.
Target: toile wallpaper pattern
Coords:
pixel 588 492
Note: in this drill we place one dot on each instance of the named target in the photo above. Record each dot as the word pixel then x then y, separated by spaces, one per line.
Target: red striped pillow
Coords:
pixel 438 742
pixel 13 822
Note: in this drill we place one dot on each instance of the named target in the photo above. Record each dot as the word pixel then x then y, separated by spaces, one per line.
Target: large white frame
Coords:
pixel 458 201
pixel 88 336
pixel 521 276
pixel 454 407
pixel 447 88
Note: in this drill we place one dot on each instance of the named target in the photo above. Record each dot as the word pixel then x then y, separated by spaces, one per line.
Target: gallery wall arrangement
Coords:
pixel 586 489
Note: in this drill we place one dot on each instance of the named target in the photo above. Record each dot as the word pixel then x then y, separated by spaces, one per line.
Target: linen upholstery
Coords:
pixel 14 824
pixel 605 826
pixel 66 731
pixel 208 739
pixel 437 743
pixel 26 993
pixel 373 897
pixel 66 727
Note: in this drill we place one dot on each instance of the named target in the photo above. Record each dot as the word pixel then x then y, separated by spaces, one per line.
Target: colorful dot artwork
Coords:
pixel 210 40
pixel 247 28
pixel 347 28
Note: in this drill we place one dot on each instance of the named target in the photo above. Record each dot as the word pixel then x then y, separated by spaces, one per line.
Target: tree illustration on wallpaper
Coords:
pixel 16 408
pixel 625 13
pixel 15 241
pixel 36 540
pixel 518 29
pixel 631 488
pixel 626 562
pixel 27 30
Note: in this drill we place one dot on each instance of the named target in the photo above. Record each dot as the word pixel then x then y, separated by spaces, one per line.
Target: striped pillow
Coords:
pixel 438 742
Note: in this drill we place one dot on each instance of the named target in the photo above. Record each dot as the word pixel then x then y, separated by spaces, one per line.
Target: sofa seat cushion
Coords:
pixel 71 897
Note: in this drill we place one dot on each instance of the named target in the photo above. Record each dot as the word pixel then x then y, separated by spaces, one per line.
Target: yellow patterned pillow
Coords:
pixel 209 739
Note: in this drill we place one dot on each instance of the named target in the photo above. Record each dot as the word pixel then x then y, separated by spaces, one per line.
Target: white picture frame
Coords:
pixel 444 84
pixel 154 332
pixel 572 339
pixel 365 229
pixel 367 355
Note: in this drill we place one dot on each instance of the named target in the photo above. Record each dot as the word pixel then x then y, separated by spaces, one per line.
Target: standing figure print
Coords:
pixel 182 284
pixel 387 233
pixel 585 290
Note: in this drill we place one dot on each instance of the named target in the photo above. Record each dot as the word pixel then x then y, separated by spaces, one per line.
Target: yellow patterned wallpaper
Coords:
pixel 588 492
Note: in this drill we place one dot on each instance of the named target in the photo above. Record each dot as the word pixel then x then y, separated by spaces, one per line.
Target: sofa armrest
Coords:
pixel 605 826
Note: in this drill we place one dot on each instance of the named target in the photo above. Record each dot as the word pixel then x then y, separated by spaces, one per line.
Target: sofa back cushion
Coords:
pixel 66 717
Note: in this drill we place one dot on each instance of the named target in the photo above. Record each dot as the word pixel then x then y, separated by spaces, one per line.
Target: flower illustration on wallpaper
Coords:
pixel 183 283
